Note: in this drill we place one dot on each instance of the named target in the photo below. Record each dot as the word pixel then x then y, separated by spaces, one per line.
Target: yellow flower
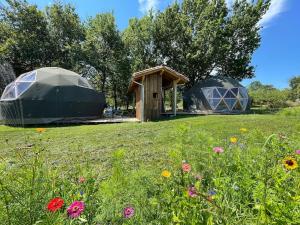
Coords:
pixel 290 163
pixel 166 173
pixel 243 130
pixel 40 130
pixel 233 140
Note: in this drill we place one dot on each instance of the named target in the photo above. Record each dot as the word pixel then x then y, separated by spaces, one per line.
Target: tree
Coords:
pixel 171 39
pixel 295 87
pixel 198 38
pixel 138 39
pixel 7 75
pixel 24 41
pixel 241 39
pixel 66 35
pixel 105 52
pixel 267 95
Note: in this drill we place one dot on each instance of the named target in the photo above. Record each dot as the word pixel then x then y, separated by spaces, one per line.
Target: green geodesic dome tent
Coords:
pixel 48 95
pixel 217 94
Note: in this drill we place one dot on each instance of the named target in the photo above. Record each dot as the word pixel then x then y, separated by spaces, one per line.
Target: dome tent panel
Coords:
pixel 54 95
pixel 217 94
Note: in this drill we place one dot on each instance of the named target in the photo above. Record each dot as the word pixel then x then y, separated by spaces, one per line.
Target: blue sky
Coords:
pixel 277 59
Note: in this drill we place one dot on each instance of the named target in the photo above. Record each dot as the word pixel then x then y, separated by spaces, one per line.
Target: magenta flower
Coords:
pixel 128 212
pixel 192 192
pixel 75 209
pixel 297 152
pixel 218 150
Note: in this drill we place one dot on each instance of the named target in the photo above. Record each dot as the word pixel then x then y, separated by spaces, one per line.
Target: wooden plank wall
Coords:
pixel 152 84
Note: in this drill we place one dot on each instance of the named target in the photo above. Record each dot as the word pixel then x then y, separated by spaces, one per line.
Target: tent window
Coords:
pixel 9 92
pixel 22 87
pixel 222 91
pixel 28 77
pixel 223 99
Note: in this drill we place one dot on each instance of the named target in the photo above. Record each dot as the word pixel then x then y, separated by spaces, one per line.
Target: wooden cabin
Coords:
pixel 149 85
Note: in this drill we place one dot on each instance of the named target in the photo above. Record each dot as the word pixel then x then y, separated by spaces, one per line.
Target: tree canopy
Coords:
pixel 198 38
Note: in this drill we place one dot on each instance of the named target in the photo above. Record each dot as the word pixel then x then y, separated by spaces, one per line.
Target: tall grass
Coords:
pixel 248 183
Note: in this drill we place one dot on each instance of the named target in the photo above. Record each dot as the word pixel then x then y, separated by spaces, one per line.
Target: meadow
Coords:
pixel 218 169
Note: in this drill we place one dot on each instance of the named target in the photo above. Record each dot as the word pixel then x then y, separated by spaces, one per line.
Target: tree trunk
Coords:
pixel 115 97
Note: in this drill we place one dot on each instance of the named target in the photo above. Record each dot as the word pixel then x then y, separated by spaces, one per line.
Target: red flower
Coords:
pixel 55 204
pixel 186 167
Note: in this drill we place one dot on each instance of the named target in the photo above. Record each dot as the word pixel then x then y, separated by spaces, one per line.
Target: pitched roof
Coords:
pixel 167 71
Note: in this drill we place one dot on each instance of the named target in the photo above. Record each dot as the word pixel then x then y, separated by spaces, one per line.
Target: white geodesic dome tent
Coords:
pixel 217 94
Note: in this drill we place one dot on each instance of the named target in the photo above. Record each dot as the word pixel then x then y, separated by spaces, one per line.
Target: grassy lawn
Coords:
pixel 146 150
pixel 145 144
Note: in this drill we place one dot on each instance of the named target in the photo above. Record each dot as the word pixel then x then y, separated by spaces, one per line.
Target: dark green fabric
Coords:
pixel 54 96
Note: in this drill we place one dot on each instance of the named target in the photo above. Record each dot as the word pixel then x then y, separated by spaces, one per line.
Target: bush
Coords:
pixel 293 111
pixel 272 98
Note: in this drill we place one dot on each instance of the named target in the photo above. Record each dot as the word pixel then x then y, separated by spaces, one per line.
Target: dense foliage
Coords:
pixel 295 88
pixel 271 97
pixel 196 37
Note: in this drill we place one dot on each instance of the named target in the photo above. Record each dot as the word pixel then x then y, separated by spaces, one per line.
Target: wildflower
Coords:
pixel 243 130
pixel 198 177
pixel 186 167
pixel 242 146
pixel 290 163
pixel 40 130
pixel 55 204
pixel 128 212
pixel 218 150
pixel 212 192
pixel 233 140
pixel 297 152
pixel 81 193
pixel 81 180
pixel 166 173
pixel 282 136
pixel 236 188
pixel 192 192
pixel 75 209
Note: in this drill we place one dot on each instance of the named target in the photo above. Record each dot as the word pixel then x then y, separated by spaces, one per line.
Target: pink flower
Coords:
pixel 297 152
pixel 186 167
pixel 218 150
pixel 192 192
pixel 128 212
pixel 81 180
pixel 75 209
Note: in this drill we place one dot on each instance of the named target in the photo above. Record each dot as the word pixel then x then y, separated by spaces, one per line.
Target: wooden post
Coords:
pixel 174 97
pixel 142 104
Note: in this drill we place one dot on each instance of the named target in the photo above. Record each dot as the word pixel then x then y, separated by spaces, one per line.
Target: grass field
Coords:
pixel 122 164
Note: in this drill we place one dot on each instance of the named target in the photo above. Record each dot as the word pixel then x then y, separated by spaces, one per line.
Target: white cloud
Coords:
pixel 276 7
pixel 146 5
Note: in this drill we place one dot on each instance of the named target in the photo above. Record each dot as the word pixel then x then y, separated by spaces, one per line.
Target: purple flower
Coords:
pixel 297 152
pixel 192 192
pixel 75 209
pixel 212 192
pixel 128 212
